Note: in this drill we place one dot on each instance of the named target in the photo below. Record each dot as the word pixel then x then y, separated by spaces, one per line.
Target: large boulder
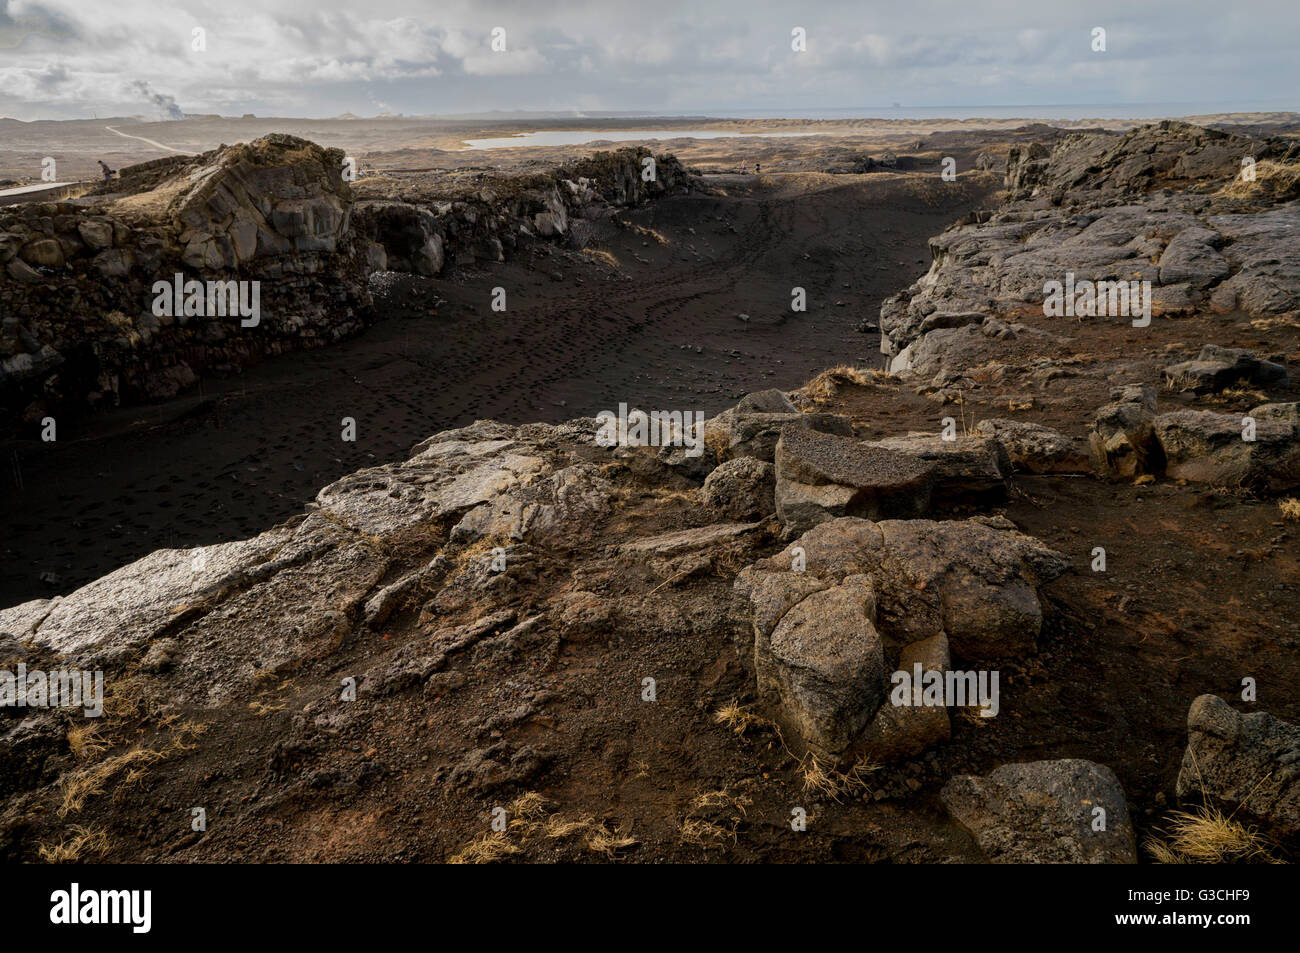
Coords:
pixel 743 488
pixel 1217 368
pixel 1247 766
pixel 825 662
pixel 977 583
pixel 1230 449
pixel 1123 436
pixel 969 468
pixel 1033 448
pixel 823 476
pixel 1045 812
pixel 969 584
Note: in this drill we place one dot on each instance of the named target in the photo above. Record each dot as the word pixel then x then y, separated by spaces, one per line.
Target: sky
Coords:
pixel 63 59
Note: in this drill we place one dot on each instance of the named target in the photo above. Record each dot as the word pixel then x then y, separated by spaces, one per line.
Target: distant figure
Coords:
pixel 758 167
pixel 108 173
pixel 744 168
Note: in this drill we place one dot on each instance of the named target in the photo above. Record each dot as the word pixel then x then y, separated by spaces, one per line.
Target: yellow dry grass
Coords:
pixel 701 833
pixel 1208 836
pixel 85 741
pixel 602 256
pixel 80 786
pixel 717 805
pixel 1273 181
pixel 737 719
pixel 528 821
pixel 826 385
pixel 82 843
pixel 833 783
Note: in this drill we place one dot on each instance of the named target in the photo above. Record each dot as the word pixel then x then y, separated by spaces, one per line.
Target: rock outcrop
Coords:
pixel 888 589
pixel 273 248
pixel 1217 368
pixel 1164 204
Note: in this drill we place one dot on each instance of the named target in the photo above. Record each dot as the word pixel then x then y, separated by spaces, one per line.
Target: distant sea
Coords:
pixel 1058 111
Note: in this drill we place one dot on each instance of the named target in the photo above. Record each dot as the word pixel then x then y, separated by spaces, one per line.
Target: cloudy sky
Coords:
pixel 315 58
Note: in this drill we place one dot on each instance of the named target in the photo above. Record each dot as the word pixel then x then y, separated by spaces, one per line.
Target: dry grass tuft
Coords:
pixel 478 551
pixel 720 805
pixel 1238 394
pixel 183 740
pixel 601 840
pixel 1290 508
pixel 79 786
pixel 701 833
pixel 128 698
pixel 738 719
pixel 558 827
pixel 721 798
pixel 526 811
pixel 83 843
pixel 602 256
pixel 832 783
pixel 1274 181
pixel 1207 836
pixel 826 385
pixel 488 849
pixel 85 741
pixel 649 233
pixel 529 821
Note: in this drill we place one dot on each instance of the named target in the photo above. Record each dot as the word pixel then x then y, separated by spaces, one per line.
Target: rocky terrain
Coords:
pixel 519 643
pixel 83 328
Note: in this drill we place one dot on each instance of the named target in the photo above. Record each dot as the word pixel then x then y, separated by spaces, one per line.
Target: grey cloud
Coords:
pixel 673 55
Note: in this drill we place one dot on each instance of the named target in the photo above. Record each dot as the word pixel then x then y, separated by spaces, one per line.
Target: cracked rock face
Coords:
pixel 825 661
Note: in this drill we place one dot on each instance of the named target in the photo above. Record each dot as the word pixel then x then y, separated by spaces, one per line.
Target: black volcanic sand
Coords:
pixel 660 330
